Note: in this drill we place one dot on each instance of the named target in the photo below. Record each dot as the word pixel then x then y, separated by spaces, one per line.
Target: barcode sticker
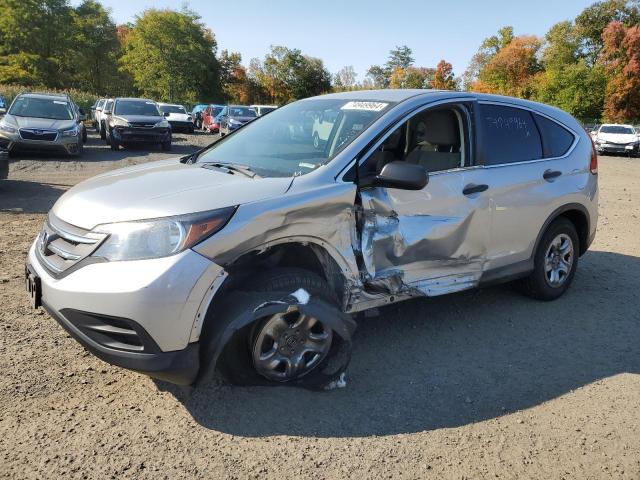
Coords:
pixel 367 106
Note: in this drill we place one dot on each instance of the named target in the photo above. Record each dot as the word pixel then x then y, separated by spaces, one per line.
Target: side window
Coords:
pixel 556 140
pixel 434 139
pixel 509 135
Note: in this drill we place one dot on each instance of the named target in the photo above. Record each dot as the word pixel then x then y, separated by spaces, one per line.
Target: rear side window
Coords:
pixel 509 134
pixel 556 140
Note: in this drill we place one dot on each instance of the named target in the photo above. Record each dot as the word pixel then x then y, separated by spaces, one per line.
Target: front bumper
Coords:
pixel 180 125
pixel 4 166
pixel 142 135
pixel 631 149
pixel 142 315
pixel 14 143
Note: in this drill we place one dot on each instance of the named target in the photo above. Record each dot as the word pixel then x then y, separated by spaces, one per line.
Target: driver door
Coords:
pixel 432 240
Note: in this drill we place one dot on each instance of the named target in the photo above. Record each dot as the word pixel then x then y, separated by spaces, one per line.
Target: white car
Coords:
pixel 322 126
pixel 177 117
pixel 263 109
pixel 613 138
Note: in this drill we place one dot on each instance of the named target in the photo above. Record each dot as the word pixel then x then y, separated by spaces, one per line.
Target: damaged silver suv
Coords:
pixel 250 256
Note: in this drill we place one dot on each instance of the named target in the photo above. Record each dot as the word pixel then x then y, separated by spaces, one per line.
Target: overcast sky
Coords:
pixel 361 33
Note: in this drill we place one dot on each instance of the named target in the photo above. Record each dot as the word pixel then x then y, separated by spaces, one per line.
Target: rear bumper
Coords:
pixel 179 367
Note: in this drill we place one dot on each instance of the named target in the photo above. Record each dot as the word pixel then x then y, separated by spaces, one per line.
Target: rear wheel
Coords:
pixel 555 262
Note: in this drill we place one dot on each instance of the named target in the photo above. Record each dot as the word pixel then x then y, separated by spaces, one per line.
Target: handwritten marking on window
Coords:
pixel 513 124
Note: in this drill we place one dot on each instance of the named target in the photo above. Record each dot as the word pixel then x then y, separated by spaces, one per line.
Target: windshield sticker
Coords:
pixel 150 103
pixel 312 166
pixel 366 106
pixel 59 102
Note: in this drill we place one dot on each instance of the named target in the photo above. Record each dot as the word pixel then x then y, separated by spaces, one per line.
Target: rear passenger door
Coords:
pixel 523 154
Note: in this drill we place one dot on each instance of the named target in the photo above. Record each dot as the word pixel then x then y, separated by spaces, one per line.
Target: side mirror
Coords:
pixel 107 112
pixel 165 114
pixel 402 175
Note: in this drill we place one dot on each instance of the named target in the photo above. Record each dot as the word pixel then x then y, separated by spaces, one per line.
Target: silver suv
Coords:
pixel 42 122
pixel 250 256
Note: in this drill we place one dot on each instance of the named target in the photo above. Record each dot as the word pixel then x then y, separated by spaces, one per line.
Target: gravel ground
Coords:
pixel 482 384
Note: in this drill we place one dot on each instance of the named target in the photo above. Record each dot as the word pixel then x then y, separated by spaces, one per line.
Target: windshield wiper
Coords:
pixel 234 167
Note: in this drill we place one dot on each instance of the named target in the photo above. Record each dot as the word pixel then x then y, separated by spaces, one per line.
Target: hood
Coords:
pixel 42 123
pixel 160 189
pixel 621 138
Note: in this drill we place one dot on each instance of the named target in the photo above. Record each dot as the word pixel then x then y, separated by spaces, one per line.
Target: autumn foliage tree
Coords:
pixel 621 58
pixel 443 77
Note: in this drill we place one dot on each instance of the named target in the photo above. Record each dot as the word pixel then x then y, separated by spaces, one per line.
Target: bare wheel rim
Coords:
pixel 558 261
pixel 289 345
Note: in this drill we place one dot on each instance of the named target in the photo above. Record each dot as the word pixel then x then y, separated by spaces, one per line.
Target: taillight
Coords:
pixel 593 165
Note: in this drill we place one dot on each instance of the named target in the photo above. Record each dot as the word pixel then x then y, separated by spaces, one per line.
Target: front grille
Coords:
pixel 60 245
pixel 141 125
pixel 38 134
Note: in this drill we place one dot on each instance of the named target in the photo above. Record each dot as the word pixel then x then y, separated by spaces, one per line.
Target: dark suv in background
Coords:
pixel 136 120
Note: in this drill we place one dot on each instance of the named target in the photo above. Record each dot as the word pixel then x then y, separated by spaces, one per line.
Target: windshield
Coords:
pixel 172 109
pixel 265 110
pixel 137 107
pixel 296 139
pixel 42 108
pixel 199 108
pixel 215 111
pixel 617 129
pixel 241 112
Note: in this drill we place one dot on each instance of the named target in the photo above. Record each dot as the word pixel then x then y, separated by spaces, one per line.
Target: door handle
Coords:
pixel 473 188
pixel 551 174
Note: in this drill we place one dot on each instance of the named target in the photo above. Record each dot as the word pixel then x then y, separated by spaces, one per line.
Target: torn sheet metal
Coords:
pixel 324 217
pixel 243 308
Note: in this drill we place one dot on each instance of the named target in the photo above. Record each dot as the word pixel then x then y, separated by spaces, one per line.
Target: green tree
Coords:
pixel 345 79
pixel 286 74
pixel 576 87
pixel 489 48
pixel 35 42
pixel 97 46
pixel 171 56
pixel 592 21
pixel 400 60
pixel 562 46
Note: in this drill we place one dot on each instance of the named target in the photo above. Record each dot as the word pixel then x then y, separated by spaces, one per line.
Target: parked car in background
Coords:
pixel 3 105
pixel 614 138
pixel 82 116
pixel 177 117
pixel 196 114
pixel 263 109
pixel 210 120
pixel 102 117
pixel 233 117
pixel 95 108
pixel 250 256
pixel 322 127
pixel 137 120
pixel 41 122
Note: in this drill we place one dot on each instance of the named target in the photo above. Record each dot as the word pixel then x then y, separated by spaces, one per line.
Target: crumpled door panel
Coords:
pixel 432 241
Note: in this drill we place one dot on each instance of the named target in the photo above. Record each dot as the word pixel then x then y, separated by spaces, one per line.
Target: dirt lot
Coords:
pixel 482 384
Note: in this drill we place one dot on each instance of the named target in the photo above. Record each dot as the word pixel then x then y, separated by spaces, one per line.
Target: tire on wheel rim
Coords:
pixel 555 261
pixel 287 346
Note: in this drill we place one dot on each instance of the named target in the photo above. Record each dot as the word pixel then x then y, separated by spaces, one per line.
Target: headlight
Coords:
pixel 161 237
pixel 70 132
pixel 162 124
pixel 6 128
pixel 120 122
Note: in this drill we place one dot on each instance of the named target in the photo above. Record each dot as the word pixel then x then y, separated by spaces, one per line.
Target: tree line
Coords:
pixel 589 66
